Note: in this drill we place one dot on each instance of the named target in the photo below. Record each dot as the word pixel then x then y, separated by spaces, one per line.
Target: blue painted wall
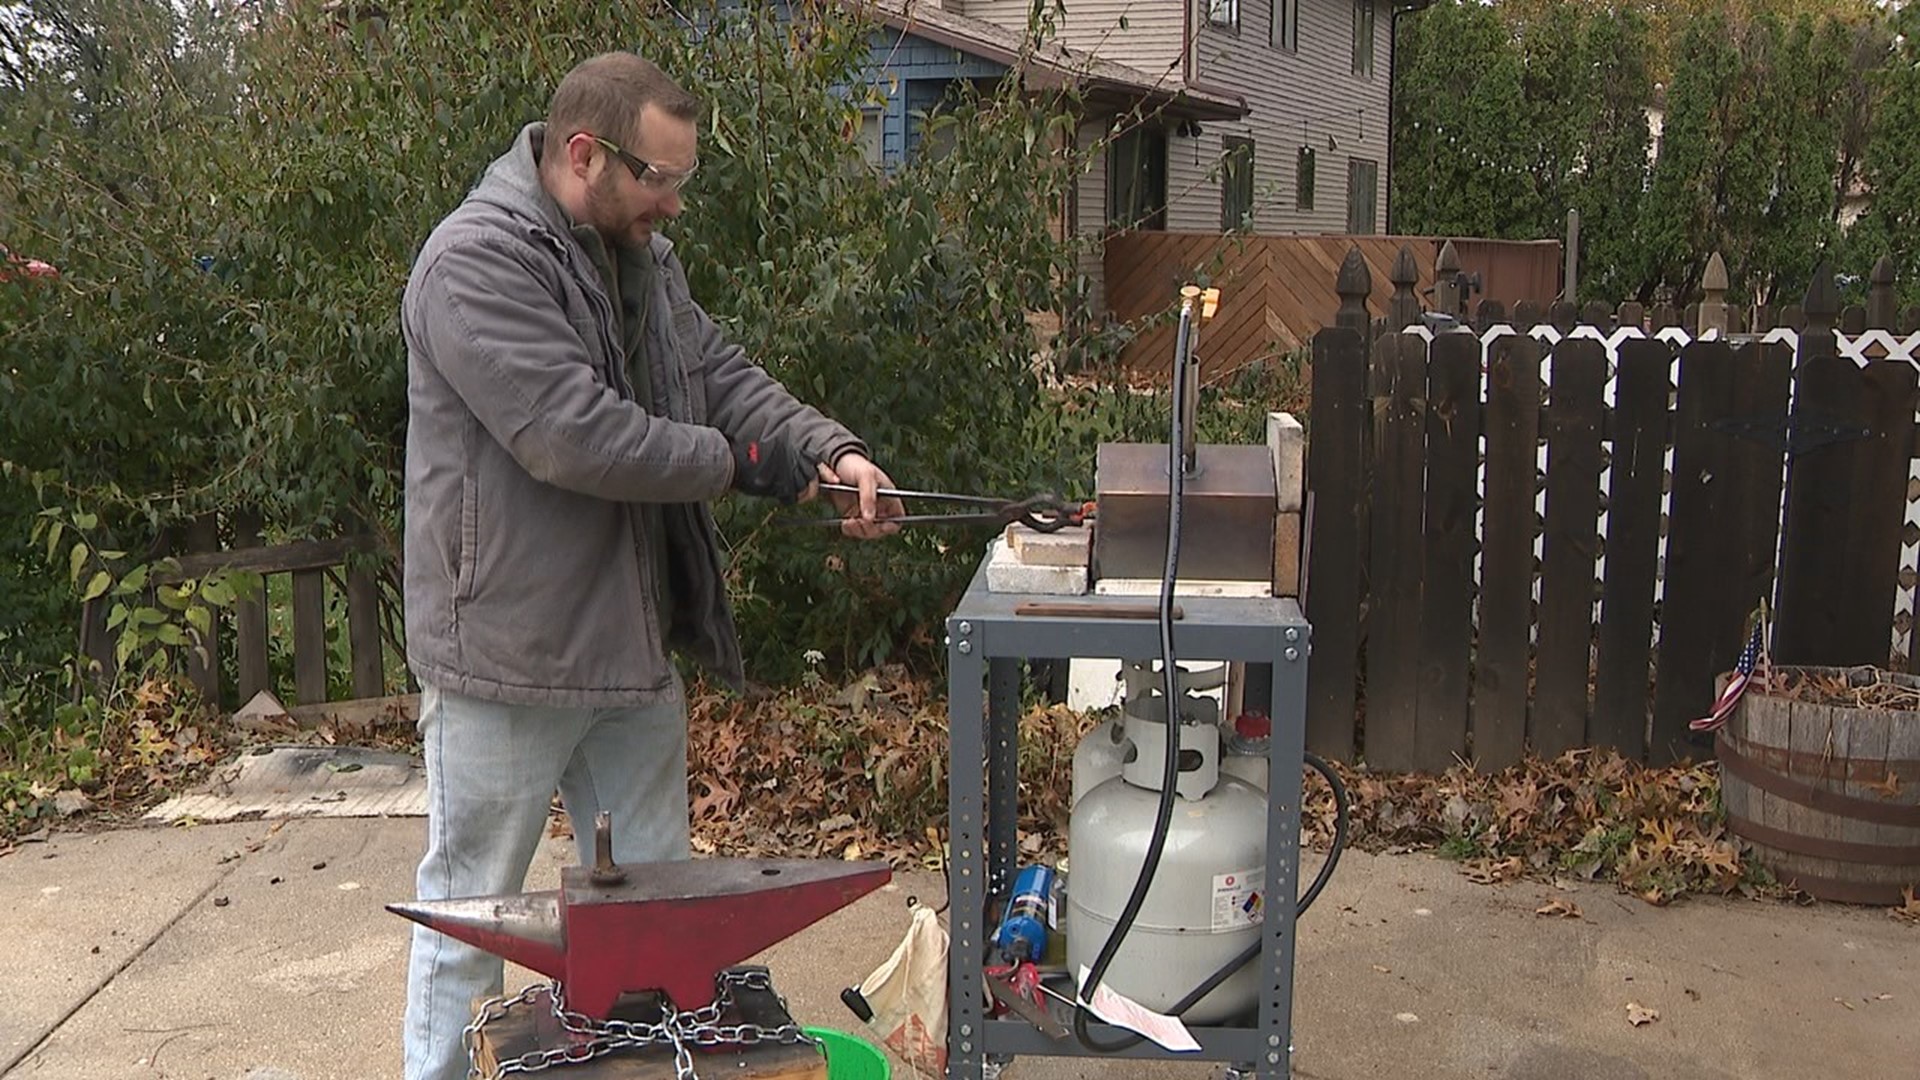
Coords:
pixel 914 74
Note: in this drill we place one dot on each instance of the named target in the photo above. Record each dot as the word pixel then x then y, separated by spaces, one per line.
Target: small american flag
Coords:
pixel 1736 686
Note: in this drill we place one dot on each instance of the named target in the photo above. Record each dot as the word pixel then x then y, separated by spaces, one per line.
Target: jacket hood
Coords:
pixel 512 183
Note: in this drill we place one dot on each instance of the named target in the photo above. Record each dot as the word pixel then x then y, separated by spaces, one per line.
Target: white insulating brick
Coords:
pixel 1007 574
pixel 1288 441
pixel 1071 546
pixel 1205 587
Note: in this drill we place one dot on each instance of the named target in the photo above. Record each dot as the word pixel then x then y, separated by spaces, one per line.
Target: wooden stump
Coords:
pixel 1828 795
pixel 532 1028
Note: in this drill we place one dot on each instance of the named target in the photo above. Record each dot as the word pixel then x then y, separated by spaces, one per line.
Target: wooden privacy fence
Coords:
pixel 1277 291
pixel 1549 534
pixel 238 653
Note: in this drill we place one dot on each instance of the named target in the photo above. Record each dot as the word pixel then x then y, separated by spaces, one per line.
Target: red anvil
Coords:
pixel 669 926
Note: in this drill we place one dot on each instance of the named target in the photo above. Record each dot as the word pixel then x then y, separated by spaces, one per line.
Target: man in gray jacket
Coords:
pixel 571 410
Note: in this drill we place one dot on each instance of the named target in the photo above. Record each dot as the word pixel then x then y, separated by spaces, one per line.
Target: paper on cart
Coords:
pixel 1122 1011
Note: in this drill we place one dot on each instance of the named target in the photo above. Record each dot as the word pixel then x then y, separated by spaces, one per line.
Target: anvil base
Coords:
pixel 532 1028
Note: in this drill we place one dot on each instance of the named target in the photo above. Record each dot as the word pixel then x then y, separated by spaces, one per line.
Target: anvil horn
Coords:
pixel 669 926
pixel 525 929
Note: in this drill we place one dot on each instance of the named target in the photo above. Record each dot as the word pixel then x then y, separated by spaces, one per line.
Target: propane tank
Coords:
pixel 1100 754
pixel 1205 905
pixel 1103 751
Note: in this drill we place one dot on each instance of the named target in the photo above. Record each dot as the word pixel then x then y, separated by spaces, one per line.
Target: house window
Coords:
pixel 1363 186
pixel 872 137
pixel 1303 198
pixel 1283 29
pixel 1137 180
pixel 1236 183
pixel 1224 13
pixel 1363 37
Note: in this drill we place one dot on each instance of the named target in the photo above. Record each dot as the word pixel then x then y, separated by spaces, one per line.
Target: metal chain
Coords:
pixel 683 1029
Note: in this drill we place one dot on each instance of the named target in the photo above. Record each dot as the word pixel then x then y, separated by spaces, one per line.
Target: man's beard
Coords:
pixel 604 211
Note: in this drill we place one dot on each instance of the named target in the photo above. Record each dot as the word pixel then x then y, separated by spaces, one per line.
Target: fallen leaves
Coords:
pixel 1863 687
pixel 1908 912
pixel 1588 814
pixel 1640 1015
pixel 856 771
pixel 1494 871
pixel 1559 906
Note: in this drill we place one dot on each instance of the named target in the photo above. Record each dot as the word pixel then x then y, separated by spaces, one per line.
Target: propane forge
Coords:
pixel 672 927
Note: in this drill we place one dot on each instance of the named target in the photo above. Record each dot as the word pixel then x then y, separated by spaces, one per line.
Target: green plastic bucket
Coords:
pixel 850 1057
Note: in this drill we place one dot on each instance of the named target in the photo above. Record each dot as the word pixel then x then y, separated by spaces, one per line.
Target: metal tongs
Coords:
pixel 1041 513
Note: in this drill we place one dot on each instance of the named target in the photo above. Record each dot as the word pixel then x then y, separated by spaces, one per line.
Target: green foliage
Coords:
pixel 233 198
pixel 1461 163
pixel 1509 115
pixel 1608 192
pixel 1892 148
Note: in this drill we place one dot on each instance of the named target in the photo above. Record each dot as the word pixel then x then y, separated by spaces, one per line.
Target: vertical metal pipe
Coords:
pixel 1185 386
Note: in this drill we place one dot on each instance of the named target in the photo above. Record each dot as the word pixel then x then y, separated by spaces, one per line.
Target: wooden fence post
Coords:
pixel 1641 419
pixel 1393 618
pixel 203 663
pixel 363 629
pixel 1404 309
pixel 1336 551
pixel 1488 314
pixel 250 618
pixel 1569 545
pixel 1500 687
pixel 1446 550
pixel 1880 296
pixel 1563 316
pixel 1448 296
pixel 1713 314
pixel 1354 285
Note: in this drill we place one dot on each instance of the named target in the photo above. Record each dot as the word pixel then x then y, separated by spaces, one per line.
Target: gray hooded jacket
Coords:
pixel 528 575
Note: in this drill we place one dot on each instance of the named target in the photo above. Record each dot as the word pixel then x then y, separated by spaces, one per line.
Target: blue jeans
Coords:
pixel 491 772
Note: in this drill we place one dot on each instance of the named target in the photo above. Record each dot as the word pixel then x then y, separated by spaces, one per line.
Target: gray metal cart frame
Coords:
pixel 986 640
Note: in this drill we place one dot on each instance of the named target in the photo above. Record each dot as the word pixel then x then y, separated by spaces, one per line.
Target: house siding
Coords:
pixel 1090 197
pixel 913 74
pixel 1310 95
pixel 1150 42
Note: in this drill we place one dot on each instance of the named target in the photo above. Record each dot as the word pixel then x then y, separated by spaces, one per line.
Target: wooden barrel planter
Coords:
pixel 1828 794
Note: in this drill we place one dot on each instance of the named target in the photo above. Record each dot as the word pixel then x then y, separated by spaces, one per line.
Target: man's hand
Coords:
pixel 773 468
pixel 866 513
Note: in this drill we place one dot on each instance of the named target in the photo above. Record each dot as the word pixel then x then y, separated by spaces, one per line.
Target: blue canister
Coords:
pixel 1023 928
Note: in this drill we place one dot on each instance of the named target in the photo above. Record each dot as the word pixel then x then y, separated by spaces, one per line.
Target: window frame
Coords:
pixel 1236 181
pixel 1154 217
pixel 1365 25
pixel 1231 10
pixel 1355 165
pixel 1283 25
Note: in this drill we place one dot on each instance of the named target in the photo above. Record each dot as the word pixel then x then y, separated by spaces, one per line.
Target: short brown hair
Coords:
pixel 604 96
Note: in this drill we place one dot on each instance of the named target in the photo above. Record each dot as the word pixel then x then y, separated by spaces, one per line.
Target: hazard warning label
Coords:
pixel 1236 899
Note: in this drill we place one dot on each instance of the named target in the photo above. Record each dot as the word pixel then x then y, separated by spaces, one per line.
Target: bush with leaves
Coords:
pixel 233 198
pixel 1509 115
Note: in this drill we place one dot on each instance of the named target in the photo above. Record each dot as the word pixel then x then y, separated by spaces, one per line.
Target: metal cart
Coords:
pixel 987 636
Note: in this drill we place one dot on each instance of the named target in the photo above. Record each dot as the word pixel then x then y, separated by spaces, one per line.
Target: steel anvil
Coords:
pixel 667 926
